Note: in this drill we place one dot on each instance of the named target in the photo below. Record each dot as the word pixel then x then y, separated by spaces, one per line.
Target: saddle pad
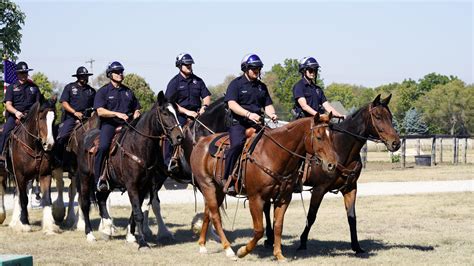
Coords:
pixel 218 141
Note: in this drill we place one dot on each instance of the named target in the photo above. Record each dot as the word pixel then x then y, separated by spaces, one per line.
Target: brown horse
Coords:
pixel 270 173
pixel 371 122
pixel 136 154
pixel 28 159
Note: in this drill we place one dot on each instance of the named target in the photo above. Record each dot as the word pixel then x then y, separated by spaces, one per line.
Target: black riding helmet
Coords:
pixel 308 62
pixel 250 61
pixel 184 59
pixel 114 66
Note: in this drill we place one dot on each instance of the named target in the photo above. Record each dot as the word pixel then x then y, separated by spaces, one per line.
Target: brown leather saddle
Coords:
pixel 93 145
pixel 217 148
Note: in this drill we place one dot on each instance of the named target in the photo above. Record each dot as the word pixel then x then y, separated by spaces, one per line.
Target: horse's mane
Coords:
pixel 32 113
pixel 214 105
pixel 291 125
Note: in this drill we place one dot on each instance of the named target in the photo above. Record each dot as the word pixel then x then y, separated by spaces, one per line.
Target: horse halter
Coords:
pixel 313 126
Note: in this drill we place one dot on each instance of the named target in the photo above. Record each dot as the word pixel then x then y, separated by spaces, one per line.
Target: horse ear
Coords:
pixel 376 101
pixel 330 116
pixel 316 118
pixel 161 99
pixel 386 100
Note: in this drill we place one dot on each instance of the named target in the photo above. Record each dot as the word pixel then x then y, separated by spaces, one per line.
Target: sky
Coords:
pixel 363 43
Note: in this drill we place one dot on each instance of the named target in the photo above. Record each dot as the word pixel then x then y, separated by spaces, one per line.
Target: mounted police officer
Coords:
pixel 114 103
pixel 19 98
pixel 309 97
pixel 246 97
pixel 191 95
pixel 77 100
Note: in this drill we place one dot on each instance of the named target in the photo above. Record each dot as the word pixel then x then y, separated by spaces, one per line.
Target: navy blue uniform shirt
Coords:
pixel 188 91
pixel 79 97
pixel 251 95
pixel 313 94
pixel 120 100
pixel 22 96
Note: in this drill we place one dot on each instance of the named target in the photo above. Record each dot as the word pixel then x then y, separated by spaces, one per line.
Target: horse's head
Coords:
pixel 169 120
pixel 380 124
pixel 320 142
pixel 45 119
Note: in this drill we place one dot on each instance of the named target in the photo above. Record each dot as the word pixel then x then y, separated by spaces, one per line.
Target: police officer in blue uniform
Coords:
pixel 246 97
pixel 19 98
pixel 309 97
pixel 190 93
pixel 114 103
pixel 77 100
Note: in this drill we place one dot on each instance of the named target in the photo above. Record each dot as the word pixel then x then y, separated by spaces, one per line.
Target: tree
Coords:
pixel 449 108
pixel 43 83
pixel 413 123
pixel 343 93
pixel 219 90
pixel 429 81
pixel 141 89
pixel 100 80
pixel 11 23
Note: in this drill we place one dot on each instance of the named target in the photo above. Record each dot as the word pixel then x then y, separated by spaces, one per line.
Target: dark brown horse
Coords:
pixel 28 159
pixel 58 205
pixel 371 122
pixel 270 173
pixel 137 152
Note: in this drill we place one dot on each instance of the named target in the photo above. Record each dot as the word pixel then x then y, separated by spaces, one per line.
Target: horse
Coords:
pixel 371 122
pixel 29 158
pixel 77 134
pixel 133 155
pixel 270 172
pixel 211 121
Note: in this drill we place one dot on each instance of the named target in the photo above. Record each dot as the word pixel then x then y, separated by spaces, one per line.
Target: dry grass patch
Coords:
pixel 427 229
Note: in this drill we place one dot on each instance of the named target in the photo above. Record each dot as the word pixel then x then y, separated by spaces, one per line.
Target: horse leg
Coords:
pixel 256 210
pixel 204 228
pixel 349 202
pixel 71 215
pixel 85 205
pixel 269 225
pixel 58 205
pixel 130 237
pixel 106 226
pixel 316 198
pixel 49 227
pixel 279 216
pixel 136 202
pixel 3 215
pixel 24 224
pixel 163 232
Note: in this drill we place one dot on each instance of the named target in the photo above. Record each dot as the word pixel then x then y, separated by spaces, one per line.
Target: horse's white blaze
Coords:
pixel 173 111
pixel 50 137
pixel 327 132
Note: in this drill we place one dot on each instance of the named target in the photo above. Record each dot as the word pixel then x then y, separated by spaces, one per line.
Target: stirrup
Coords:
pixel 101 186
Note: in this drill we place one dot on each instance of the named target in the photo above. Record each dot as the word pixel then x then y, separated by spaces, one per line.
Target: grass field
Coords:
pixel 410 229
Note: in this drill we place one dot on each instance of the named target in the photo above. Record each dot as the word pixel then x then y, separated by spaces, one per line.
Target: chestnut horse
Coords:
pixel 29 158
pixel 270 173
pixel 137 152
pixel 371 122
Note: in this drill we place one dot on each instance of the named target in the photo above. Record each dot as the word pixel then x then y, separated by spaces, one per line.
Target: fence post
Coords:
pixel 441 150
pixel 433 152
pixel 418 146
pixel 364 155
pixel 403 152
pixel 465 150
pixel 455 159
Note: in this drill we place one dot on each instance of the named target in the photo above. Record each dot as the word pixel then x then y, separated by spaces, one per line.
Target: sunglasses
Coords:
pixel 255 68
pixel 312 70
pixel 118 72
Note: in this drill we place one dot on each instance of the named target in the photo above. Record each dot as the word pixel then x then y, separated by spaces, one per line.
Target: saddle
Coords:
pixel 217 148
pixel 91 142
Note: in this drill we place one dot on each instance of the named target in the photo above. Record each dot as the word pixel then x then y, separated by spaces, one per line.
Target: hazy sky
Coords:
pixel 364 43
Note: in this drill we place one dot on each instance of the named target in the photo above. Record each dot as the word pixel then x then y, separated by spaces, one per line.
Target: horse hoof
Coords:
pixel 230 254
pixel 105 237
pixel 268 244
pixel 242 252
pixel 3 216
pixel 202 250
pixel 90 238
pixel 130 238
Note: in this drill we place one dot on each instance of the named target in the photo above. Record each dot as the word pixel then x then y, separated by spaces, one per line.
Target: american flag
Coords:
pixel 10 74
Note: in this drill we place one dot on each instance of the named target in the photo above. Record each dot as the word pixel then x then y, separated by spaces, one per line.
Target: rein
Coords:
pixel 371 138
